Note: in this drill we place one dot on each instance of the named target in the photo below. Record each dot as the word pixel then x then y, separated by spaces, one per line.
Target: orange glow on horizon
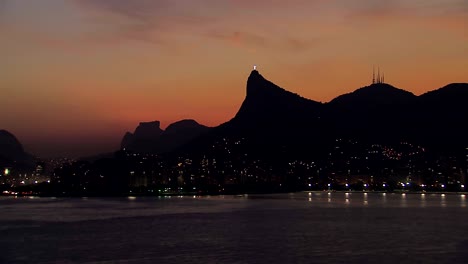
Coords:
pixel 95 69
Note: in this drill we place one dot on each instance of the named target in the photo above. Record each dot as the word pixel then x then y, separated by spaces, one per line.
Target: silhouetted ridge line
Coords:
pixel 265 100
pixel 275 119
pixel 12 152
pixel 150 138
pixel 378 93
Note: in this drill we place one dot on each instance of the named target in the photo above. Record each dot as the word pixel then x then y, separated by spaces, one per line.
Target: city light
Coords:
pixel 6 172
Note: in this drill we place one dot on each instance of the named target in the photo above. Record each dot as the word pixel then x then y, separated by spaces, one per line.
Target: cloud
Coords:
pixel 365 9
pixel 449 15
pixel 142 10
pixel 171 22
pixel 152 13
pixel 252 41
pixel 241 39
pixel 163 21
pixel 152 21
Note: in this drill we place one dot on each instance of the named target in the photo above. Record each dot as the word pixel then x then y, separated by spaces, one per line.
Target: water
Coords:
pixel 283 228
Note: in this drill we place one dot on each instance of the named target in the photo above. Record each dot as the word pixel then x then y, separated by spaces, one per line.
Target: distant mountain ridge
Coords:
pixel 150 138
pixel 271 117
pixel 12 152
pixel 10 145
pixel 280 121
pixel 379 93
pixel 264 97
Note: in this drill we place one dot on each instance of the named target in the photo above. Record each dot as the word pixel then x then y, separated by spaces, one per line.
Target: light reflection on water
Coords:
pixel 318 227
pixel 402 200
pixel 443 203
pixel 376 199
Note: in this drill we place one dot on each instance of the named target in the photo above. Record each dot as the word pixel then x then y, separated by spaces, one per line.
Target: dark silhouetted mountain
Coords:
pixel 12 152
pixel 278 121
pixel 185 126
pixel 456 92
pixel 272 119
pixel 266 101
pixel 145 138
pixel 376 112
pixel 181 132
pixel 383 113
pixel 150 138
pixel 375 95
pixel 10 147
pixel 270 114
pixel 148 130
pixel 127 140
pixel 442 116
pixel 279 140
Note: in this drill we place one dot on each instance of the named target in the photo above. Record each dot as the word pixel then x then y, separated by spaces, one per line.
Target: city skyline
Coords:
pixel 78 74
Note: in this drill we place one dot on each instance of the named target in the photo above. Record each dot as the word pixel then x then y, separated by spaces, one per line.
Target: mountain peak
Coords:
pixel 265 99
pixel 151 124
pixel 148 129
pixel 254 73
pixel 255 83
pixel 374 94
pixel 185 124
pixel 150 138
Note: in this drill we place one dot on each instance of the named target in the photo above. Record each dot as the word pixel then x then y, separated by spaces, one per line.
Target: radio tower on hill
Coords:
pixel 379 79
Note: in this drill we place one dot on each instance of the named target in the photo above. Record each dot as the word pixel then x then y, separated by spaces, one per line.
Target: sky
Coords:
pixel 75 75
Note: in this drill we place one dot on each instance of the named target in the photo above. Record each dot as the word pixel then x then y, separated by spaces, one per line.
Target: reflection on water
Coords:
pixel 79 209
pixel 404 200
pixel 310 227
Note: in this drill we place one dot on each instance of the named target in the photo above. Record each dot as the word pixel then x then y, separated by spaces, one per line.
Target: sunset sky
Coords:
pixel 75 75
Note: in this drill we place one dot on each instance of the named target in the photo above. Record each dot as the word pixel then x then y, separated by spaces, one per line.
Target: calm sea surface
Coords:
pixel 284 228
